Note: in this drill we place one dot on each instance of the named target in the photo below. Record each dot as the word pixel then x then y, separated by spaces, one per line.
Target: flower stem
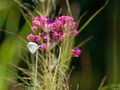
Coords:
pixel 36 71
pixel 68 6
pixel 115 56
pixel 43 8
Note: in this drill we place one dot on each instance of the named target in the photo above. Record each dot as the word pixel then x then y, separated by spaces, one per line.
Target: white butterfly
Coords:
pixel 33 47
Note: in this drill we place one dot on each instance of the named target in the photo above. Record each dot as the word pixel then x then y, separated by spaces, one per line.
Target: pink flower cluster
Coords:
pixel 64 26
pixel 40 22
pixel 42 30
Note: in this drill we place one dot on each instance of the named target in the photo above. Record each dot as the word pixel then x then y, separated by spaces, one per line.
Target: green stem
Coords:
pixel 84 42
pixel 115 56
pixel 93 16
pixel 56 69
pixel 14 34
pixel 43 9
pixel 36 71
pixel 54 77
pixel 68 6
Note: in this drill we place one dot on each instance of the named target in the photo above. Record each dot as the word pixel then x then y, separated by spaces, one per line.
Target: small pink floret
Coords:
pixel 76 52
pixel 75 32
pixel 64 22
pixel 31 37
pixel 39 22
pixel 34 28
pixel 54 35
pixel 42 47
pixel 60 36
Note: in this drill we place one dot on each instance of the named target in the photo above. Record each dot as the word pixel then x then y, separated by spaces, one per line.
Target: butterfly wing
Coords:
pixel 33 47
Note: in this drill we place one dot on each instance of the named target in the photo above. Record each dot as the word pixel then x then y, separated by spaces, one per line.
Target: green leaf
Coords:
pixel 13 18
pixel 4 5
pixel 8 54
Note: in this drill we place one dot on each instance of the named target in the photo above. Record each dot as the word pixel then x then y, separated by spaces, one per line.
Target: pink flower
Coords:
pixel 76 52
pixel 64 22
pixel 56 26
pixel 42 47
pixel 36 21
pixel 75 32
pixel 54 35
pixel 36 38
pixel 31 37
pixel 34 28
pixel 43 36
pixel 39 22
pixel 60 36
pixel 67 34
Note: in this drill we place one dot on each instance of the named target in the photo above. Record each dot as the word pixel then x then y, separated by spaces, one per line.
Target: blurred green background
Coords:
pixel 100 56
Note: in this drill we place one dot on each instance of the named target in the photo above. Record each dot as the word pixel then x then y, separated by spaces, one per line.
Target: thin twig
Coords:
pixel 14 34
pixel 25 8
pixel 68 6
pixel 102 82
pixel 93 16
pixel 77 87
pixel 78 22
pixel 36 71
pixel 85 41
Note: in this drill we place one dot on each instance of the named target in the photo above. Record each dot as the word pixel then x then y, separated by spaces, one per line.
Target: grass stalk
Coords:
pixel 115 56
pixel 14 34
pixel 68 6
pixel 93 16
pixel 36 71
